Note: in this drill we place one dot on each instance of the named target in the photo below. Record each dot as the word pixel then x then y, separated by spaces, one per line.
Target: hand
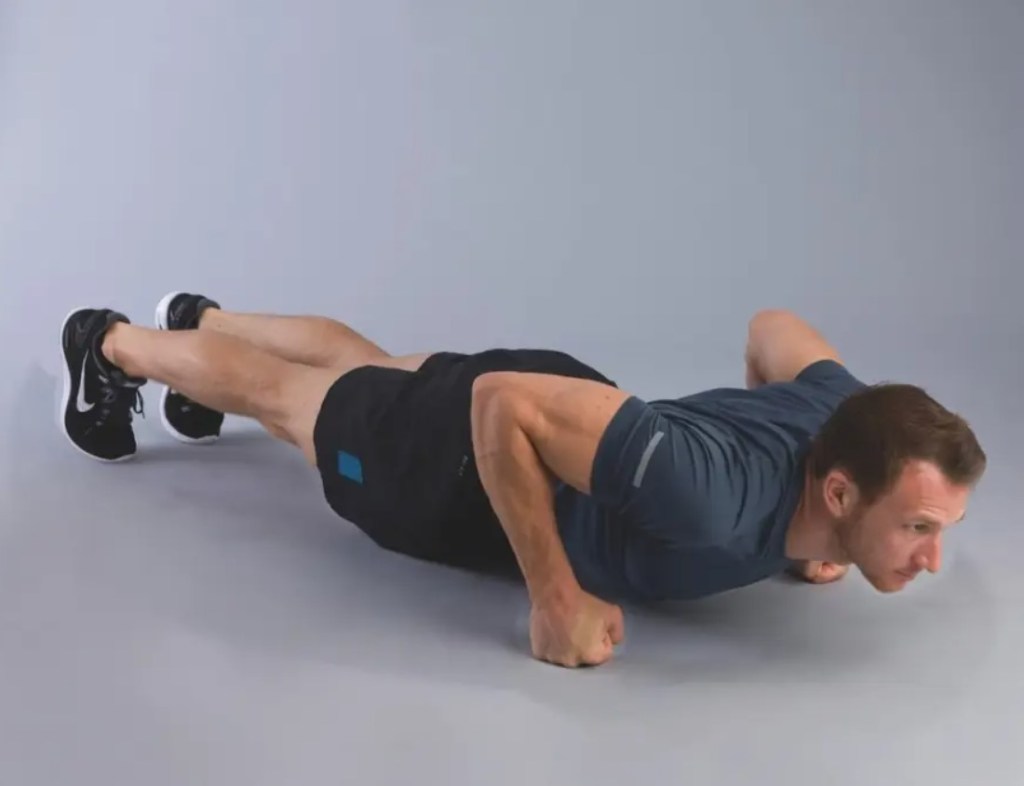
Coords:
pixel 819 572
pixel 575 630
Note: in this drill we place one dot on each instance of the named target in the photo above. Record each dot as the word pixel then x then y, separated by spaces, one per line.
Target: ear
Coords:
pixel 840 493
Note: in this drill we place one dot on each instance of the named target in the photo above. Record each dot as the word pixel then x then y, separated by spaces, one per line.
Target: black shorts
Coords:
pixel 395 454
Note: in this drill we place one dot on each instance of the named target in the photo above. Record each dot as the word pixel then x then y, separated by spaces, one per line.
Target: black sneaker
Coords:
pixel 185 419
pixel 99 398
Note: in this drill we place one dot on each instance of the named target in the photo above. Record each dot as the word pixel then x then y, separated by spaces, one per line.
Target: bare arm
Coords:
pixel 530 430
pixel 780 345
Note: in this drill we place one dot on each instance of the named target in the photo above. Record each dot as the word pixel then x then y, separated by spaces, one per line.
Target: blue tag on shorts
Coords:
pixel 350 466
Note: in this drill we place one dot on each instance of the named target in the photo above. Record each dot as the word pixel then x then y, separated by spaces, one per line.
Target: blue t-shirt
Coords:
pixel 693 496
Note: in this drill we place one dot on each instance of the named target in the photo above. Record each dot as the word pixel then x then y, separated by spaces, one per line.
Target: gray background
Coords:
pixel 625 181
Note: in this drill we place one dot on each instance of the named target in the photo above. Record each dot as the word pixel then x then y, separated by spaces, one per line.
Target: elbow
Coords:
pixel 767 317
pixel 761 327
pixel 496 408
pixel 492 394
pixel 764 323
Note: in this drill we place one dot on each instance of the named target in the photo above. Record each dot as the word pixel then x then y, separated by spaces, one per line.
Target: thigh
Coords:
pixel 306 387
pixel 302 394
pixel 387 456
pixel 411 362
pixel 405 362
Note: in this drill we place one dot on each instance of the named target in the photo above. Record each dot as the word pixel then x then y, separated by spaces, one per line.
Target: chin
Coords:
pixel 887 584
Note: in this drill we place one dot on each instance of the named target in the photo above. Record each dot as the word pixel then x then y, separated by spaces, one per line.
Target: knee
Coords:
pixel 297 406
pixel 272 407
pixel 268 395
pixel 271 403
pixel 325 327
pixel 275 429
pixel 294 434
pixel 329 333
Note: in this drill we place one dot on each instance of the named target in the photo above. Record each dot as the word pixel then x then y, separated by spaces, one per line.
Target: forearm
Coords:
pixel 762 334
pixel 519 488
pixel 780 345
pixel 753 378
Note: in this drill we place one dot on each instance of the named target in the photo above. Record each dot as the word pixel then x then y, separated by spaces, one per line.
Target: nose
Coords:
pixel 931 560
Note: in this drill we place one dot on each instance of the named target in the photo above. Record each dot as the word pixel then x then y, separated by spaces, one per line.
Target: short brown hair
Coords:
pixel 876 430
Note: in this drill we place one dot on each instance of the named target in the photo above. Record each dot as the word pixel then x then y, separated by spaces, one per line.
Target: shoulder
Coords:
pixel 627 443
pixel 800 404
pixel 667 471
pixel 828 377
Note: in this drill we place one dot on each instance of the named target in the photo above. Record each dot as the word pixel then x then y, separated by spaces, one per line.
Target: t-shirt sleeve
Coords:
pixel 658 475
pixel 829 377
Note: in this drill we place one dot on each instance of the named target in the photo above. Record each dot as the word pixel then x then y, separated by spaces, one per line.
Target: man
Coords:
pixel 532 460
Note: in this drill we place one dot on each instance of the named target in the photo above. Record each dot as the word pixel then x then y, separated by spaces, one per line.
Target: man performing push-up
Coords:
pixel 531 460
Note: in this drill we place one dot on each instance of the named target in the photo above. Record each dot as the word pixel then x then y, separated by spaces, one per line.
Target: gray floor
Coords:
pixel 624 181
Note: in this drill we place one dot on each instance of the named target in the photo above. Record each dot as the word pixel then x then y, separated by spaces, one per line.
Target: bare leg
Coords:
pixel 310 340
pixel 227 374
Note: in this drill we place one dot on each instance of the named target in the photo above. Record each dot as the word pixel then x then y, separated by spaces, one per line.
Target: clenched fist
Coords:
pixel 818 572
pixel 575 630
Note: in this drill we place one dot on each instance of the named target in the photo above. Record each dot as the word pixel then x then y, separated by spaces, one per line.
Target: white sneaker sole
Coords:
pixel 161 322
pixel 65 399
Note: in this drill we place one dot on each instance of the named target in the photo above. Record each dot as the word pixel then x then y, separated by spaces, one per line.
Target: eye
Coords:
pixel 921 527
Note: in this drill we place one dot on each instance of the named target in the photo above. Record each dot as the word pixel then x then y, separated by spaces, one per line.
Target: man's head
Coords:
pixel 895 469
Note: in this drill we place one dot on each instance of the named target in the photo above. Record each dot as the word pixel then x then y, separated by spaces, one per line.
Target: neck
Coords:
pixel 812 534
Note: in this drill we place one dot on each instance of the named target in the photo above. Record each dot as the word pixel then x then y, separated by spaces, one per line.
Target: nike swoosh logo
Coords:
pixel 80 403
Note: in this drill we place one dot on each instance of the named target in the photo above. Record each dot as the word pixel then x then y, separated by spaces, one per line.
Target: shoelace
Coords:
pixel 117 404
